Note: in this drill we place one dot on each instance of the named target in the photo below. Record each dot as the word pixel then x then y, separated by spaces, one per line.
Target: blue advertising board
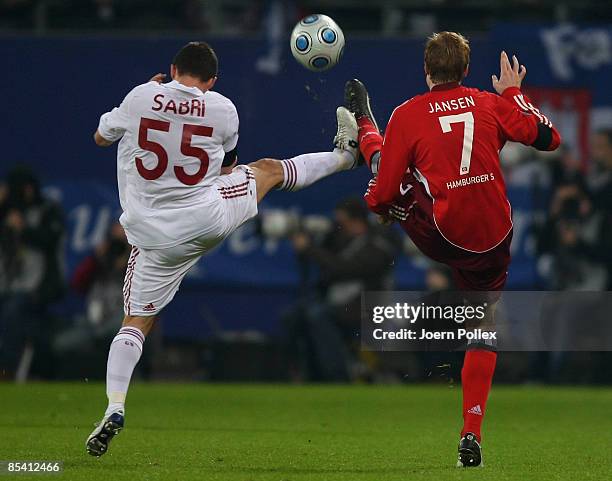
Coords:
pixel 58 87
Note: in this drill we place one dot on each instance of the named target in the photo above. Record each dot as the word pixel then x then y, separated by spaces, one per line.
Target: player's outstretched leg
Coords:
pixel 299 172
pixel 306 169
pixel 357 100
pixel 124 354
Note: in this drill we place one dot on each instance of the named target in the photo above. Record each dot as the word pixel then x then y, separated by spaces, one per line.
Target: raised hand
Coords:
pixel 511 75
pixel 159 78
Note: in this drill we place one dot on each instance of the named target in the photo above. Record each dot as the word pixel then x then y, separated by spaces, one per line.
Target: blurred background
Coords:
pixel 279 301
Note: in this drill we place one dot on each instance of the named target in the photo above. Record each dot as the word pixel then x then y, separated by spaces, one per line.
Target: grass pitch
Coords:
pixel 291 433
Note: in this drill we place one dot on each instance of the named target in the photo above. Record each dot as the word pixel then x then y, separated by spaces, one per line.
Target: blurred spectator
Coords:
pixel 41 229
pixel 105 10
pixel 601 165
pixel 566 242
pixel 99 277
pixel 354 257
pixel 601 185
pixel 32 230
pixel 576 246
pixel 575 243
pixel 194 15
pixel 567 170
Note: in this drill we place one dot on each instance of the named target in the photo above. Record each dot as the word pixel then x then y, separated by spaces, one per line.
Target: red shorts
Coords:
pixel 472 271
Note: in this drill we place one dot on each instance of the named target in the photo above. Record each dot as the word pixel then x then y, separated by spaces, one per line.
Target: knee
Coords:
pixel 269 166
pixel 270 171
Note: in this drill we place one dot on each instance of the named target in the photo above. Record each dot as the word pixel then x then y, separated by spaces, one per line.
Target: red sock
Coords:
pixel 476 377
pixel 370 140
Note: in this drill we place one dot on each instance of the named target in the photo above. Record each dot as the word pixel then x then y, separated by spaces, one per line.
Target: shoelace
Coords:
pixel 342 135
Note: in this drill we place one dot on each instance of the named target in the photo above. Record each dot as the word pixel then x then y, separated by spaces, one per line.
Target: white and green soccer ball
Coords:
pixel 317 42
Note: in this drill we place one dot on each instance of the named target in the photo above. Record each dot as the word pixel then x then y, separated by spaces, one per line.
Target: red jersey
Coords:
pixel 450 139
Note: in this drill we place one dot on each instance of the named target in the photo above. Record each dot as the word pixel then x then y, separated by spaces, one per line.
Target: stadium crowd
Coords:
pixel 320 333
pixel 575 241
pixel 257 16
pixel 31 272
pixel 323 327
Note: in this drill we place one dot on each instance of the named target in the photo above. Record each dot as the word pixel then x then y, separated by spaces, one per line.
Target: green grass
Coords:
pixel 285 433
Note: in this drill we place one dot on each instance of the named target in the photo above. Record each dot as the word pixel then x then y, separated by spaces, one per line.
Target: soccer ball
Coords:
pixel 317 42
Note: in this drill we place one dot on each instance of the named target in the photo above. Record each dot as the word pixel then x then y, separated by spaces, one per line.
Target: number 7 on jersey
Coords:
pixel 468 136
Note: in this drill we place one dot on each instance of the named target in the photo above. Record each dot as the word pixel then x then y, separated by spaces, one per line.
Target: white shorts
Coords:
pixel 154 275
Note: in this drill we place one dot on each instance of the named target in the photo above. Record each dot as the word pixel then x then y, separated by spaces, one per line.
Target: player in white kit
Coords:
pixel 182 193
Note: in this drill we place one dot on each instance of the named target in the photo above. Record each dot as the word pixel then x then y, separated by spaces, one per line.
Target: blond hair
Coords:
pixel 447 56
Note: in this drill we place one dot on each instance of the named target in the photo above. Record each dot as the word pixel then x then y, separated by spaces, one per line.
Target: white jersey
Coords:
pixel 173 142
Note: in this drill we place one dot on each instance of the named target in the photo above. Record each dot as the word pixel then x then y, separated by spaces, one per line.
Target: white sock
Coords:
pixel 306 169
pixel 123 356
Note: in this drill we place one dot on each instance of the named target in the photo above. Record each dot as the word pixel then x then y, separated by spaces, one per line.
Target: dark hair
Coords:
pixel 354 208
pixel 447 56
pixel 197 59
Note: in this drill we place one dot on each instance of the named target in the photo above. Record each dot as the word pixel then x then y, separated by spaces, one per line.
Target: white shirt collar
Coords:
pixel 179 86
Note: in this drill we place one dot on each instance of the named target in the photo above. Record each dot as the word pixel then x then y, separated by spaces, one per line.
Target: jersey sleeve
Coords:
pixel 393 164
pixel 113 124
pixel 230 140
pixel 520 121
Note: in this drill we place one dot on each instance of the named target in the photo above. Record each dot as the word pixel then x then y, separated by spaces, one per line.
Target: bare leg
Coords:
pixel 268 175
pixel 144 323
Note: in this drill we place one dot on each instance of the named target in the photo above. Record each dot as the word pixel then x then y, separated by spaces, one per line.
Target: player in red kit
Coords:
pixel 437 172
